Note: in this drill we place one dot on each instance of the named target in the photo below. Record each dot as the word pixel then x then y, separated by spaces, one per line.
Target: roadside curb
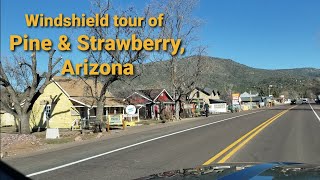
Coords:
pixel 129 131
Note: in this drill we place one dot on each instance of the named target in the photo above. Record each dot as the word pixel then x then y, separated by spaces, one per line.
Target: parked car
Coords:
pixel 305 101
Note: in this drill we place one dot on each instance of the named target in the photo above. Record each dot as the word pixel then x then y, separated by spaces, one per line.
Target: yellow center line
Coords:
pixel 262 125
pixel 237 141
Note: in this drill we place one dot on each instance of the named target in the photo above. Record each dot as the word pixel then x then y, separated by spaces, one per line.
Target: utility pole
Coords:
pixel 270 86
pixel 250 100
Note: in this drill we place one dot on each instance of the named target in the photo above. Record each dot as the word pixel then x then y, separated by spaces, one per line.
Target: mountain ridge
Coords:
pixel 222 73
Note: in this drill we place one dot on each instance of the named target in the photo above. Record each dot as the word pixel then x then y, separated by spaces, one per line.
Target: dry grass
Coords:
pixel 149 122
pixel 8 129
pixel 59 141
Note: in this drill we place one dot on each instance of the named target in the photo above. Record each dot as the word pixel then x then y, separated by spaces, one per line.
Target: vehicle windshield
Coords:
pixel 153 89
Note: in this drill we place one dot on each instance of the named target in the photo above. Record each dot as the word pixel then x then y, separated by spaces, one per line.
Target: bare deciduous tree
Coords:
pixel 102 83
pixel 228 90
pixel 179 23
pixel 21 84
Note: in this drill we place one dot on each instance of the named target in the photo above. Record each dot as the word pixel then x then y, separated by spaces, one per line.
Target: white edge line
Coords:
pixel 136 144
pixel 314 112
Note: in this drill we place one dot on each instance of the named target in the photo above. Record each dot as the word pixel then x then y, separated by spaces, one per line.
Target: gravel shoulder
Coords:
pixel 15 146
pixel 18 146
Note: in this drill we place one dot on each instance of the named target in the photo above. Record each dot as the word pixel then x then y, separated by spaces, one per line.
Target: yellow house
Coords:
pixel 68 100
pixel 202 96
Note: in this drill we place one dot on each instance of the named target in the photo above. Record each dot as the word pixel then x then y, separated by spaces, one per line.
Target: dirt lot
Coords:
pixel 13 143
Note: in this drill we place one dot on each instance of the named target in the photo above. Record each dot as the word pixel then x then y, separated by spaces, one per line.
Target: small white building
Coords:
pixel 217 106
pixel 245 95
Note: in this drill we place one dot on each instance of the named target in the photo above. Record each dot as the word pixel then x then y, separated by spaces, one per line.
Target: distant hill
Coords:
pixel 222 73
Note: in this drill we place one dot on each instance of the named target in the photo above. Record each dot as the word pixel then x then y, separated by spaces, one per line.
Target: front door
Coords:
pixel 46 114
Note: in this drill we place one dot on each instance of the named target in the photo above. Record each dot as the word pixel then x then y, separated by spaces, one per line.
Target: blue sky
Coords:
pixel 269 34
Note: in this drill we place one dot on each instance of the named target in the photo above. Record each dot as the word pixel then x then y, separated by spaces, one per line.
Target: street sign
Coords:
pixel 131 109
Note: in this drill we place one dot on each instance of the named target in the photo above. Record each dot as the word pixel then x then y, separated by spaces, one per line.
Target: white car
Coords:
pixel 305 101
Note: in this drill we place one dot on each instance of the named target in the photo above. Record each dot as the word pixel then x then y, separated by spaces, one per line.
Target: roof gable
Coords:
pixel 91 102
pixel 79 91
pixel 164 96
pixel 76 87
pixel 150 93
pixel 245 94
pixel 208 91
pixel 137 98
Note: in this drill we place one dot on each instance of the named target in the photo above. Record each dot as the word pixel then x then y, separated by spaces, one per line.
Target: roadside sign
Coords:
pixel 236 98
pixel 235 102
pixel 115 120
pixel 52 133
pixel 131 109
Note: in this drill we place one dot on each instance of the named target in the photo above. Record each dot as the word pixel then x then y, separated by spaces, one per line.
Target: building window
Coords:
pixel 47 111
pixel 201 105
pixel 82 112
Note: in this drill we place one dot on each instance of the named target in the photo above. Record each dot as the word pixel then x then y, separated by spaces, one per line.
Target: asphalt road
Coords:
pixel 269 135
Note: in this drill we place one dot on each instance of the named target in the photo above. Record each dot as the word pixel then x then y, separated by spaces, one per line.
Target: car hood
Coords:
pixel 253 171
